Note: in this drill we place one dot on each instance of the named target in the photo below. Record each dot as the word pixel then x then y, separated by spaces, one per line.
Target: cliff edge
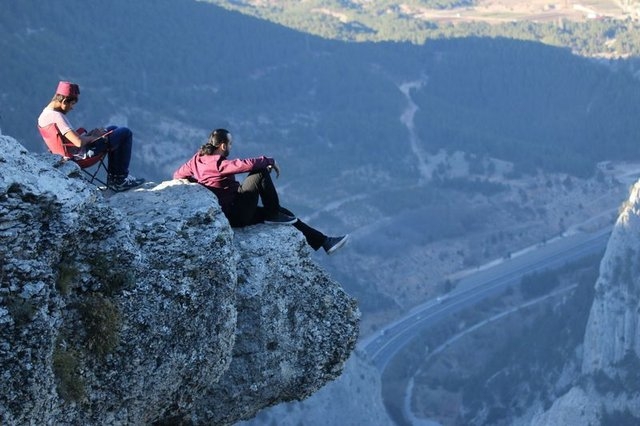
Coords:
pixel 145 307
pixel 607 392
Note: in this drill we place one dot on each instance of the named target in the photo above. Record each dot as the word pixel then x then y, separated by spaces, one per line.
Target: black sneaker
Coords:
pixel 281 219
pixel 123 183
pixel 332 244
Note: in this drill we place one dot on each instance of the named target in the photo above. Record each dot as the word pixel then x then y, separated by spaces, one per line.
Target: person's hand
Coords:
pixel 276 168
pixel 97 132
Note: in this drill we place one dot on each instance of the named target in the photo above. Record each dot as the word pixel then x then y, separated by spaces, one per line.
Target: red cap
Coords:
pixel 68 89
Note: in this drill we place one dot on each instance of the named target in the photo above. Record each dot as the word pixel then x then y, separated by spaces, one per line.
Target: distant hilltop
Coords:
pixel 597 29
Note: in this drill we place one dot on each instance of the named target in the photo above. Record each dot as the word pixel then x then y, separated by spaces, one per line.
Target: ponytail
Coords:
pixel 207 149
pixel 216 138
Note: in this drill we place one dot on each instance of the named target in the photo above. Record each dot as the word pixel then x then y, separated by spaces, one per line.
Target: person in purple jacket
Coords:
pixel 211 168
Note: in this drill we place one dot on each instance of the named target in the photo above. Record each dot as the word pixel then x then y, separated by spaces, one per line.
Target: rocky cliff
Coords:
pixel 608 391
pixel 354 399
pixel 613 330
pixel 146 307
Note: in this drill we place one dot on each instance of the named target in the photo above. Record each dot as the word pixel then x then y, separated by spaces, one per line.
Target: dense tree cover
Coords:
pixel 503 368
pixel 323 107
pixel 527 366
pixel 539 107
pixel 386 20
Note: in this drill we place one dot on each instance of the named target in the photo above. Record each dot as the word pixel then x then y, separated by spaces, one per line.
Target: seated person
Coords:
pixel 211 168
pixel 117 142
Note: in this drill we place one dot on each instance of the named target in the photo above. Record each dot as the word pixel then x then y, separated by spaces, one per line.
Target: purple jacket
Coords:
pixel 218 173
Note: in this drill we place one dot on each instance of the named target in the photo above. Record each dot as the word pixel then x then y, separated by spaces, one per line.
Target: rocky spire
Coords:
pixel 613 329
pixel 607 390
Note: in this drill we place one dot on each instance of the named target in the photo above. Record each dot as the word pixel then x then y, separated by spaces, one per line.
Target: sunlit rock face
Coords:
pixel 608 392
pixel 613 330
pixel 146 307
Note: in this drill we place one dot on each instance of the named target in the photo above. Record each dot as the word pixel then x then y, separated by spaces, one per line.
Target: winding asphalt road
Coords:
pixel 382 346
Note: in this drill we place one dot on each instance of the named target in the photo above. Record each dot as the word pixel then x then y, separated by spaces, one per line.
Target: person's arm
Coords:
pixel 184 172
pixel 245 165
pixel 74 138
pixel 81 139
pixel 51 116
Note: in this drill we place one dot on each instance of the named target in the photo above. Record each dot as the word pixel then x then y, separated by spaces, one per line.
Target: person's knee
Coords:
pixel 259 177
pixel 122 138
pixel 265 173
pixel 121 132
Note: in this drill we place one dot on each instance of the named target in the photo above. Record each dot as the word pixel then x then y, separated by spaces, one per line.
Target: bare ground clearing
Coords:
pixel 498 12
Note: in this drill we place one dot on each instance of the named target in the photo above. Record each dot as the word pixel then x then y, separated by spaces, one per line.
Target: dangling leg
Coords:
pixel 245 211
pixel 317 239
pixel 314 238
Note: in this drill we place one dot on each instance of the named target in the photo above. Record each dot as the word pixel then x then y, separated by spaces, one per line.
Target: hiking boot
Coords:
pixel 280 218
pixel 332 244
pixel 123 183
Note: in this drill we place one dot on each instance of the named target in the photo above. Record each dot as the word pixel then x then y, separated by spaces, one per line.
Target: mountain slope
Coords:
pixel 174 69
pixel 366 134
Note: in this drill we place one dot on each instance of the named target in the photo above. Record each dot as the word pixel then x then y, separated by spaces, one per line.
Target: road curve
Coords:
pixel 383 345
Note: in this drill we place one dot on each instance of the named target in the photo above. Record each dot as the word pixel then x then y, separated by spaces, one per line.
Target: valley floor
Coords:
pixel 531 211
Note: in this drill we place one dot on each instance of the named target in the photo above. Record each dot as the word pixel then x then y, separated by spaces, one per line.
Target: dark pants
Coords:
pixel 119 145
pixel 245 209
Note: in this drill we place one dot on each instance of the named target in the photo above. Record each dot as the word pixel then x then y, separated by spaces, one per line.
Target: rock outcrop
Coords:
pixel 146 307
pixel 609 389
pixel 354 399
pixel 613 330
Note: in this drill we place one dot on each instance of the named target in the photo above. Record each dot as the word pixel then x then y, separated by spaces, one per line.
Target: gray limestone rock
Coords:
pixel 146 307
pixel 613 329
pixel 611 349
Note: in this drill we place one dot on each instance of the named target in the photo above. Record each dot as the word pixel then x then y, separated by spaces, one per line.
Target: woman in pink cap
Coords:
pixel 116 140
